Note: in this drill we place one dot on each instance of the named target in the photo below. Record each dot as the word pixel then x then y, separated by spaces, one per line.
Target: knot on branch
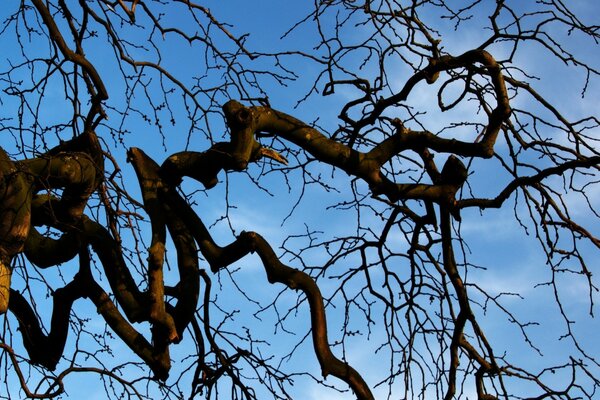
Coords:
pixel 430 72
pixel 399 125
pixel 237 115
pixel 454 172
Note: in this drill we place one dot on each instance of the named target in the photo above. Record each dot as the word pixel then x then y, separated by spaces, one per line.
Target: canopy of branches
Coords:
pixel 364 199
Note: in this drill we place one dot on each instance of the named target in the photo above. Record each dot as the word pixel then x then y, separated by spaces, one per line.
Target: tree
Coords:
pixel 406 120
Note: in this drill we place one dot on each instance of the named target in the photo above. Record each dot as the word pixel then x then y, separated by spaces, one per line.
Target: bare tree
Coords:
pixel 407 119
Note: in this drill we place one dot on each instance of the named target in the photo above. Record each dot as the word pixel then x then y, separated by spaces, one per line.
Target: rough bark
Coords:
pixel 15 205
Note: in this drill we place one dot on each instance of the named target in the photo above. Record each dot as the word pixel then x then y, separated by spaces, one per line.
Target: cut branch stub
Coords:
pixel 205 166
pixel 240 121
pixel 454 172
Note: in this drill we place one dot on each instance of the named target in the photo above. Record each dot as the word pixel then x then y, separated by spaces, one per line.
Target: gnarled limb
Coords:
pixel 46 350
pixel 150 185
pixel 157 358
pixel 163 213
pixel 205 166
pixel 46 252
pixel 247 242
pixel 244 122
pixel 75 172
pixel 45 210
pixel 220 257
pixel 15 221
pixel 87 142
pixel 296 279
pixel 188 287
pixel 278 272
pixel 234 155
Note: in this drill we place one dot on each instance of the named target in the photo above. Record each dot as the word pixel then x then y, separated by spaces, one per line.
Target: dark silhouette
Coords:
pixel 404 171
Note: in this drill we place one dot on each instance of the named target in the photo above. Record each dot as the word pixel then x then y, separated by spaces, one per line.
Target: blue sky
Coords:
pixel 512 260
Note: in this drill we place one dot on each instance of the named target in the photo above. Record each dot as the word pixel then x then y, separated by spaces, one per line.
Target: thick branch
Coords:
pixel 295 279
pixel 157 360
pixel 247 121
pixel 150 184
pixel 46 252
pixel 75 172
pixel 15 221
pixel 277 272
pixel 109 251
pixel 205 166
pixel 161 212
pixel 43 349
